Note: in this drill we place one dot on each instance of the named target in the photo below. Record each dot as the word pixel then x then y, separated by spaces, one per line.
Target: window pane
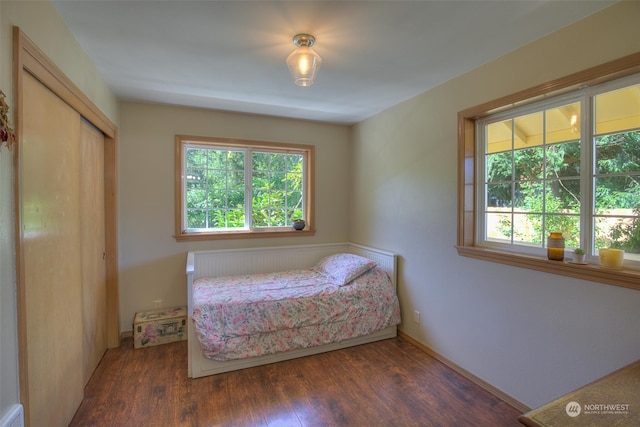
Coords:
pixel 278 163
pixel 618 110
pixel 217 159
pixel 260 210
pixel 196 218
pixel 294 199
pixel 617 159
pixel 499 137
pixel 215 182
pixel 279 218
pixel 217 218
pixel 618 152
pixel 196 195
pixel 563 160
pixel 617 192
pixel 498 227
pixel 235 159
pixel 235 180
pixel 218 199
pixel 619 232
pixel 499 167
pixel 528 163
pixel 562 196
pixel 235 199
pixel 260 217
pixel 278 180
pixel 196 157
pixel 260 181
pixel 235 216
pixel 562 123
pixel 277 185
pixel 568 225
pixel 196 175
pixel 217 179
pixel 260 161
pixel 527 229
pixel 528 197
pixel 499 195
pixel 528 130
pixel 267 217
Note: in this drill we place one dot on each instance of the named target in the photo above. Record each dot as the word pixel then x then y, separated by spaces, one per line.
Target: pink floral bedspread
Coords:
pixel 253 315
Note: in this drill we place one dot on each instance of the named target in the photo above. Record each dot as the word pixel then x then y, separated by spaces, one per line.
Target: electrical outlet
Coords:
pixel 157 303
pixel 416 316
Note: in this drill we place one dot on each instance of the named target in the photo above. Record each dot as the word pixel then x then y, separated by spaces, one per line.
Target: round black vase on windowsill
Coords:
pixel 299 224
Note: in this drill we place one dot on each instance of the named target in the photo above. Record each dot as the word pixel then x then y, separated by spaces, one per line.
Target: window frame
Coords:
pixel 308 151
pixel 468 180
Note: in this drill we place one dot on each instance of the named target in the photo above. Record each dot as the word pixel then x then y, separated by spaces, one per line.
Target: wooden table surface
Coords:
pixel 611 401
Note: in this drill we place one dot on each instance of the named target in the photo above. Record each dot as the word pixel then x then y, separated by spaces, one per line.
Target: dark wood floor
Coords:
pixel 388 383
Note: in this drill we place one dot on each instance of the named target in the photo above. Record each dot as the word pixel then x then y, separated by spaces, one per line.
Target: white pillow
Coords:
pixel 343 268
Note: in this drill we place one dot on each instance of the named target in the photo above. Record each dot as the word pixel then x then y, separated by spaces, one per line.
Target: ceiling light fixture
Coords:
pixel 304 62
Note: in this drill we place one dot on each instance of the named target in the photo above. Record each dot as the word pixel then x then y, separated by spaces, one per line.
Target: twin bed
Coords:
pixel 251 307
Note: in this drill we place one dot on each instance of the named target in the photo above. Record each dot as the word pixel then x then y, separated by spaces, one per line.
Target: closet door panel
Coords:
pixel 92 231
pixel 50 188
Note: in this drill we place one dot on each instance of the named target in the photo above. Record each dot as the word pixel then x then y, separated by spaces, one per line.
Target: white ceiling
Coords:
pixel 229 55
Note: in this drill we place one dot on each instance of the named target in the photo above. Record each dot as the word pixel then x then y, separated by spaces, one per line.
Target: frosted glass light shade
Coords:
pixel 303 65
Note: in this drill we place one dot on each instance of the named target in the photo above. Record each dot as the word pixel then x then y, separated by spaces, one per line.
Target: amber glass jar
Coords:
pixel 555 246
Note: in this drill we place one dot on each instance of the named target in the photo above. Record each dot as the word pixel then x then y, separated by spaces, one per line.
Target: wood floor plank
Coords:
pixel 387 383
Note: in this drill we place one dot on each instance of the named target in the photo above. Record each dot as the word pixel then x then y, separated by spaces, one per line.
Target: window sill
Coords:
pixel 626 277
pixel 243 234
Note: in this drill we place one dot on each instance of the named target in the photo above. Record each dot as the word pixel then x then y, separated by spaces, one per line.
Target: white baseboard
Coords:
pixel 14 417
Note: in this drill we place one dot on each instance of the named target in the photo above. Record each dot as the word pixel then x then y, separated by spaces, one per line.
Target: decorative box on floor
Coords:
pixel 160 326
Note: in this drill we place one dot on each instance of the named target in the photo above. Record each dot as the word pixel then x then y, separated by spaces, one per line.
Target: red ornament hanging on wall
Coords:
pixel 7 135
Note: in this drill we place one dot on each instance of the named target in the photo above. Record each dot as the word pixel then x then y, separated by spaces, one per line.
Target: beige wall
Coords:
pixel 40 22
pixel 151 261
pixel 532 335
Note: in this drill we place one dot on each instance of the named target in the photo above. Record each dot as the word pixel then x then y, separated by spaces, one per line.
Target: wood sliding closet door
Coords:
pixel 50 184
pixel 63 246
pixel 92 234
pixel 66 236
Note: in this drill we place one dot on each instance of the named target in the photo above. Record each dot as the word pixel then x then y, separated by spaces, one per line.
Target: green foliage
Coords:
pixel 277 189
pixel 626 235
pixel 542 186
pixel 216 188
pixel 618 156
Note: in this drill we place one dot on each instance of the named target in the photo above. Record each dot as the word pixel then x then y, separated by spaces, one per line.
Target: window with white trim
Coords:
pixel 232 188
pixel 569 164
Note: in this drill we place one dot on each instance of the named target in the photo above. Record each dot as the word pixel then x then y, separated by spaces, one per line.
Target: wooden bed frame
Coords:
pixel 267 260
